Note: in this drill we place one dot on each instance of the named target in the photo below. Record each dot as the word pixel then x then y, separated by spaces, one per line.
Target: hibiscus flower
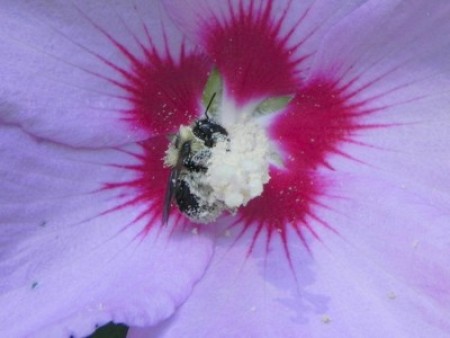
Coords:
pixel 348 235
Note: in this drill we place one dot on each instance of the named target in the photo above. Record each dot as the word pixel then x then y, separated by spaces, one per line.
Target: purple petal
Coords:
pixel 343 290
pixel 66 67
pixel 384 269
pixel 71 259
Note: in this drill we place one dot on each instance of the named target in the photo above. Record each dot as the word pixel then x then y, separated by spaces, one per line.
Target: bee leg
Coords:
pixel 186 160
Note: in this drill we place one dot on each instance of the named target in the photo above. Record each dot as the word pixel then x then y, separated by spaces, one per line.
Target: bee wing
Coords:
pixel 173 183
pixel 171 188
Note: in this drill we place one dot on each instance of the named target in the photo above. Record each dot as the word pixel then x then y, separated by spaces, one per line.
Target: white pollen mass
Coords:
pixel 239 165
pixel 235 170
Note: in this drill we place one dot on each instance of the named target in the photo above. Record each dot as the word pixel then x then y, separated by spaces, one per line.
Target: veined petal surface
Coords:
pixel 71 257
pixel 373 262
pixel 73 72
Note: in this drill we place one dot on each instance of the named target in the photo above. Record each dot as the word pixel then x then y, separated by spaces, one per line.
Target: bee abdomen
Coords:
pixel 187 202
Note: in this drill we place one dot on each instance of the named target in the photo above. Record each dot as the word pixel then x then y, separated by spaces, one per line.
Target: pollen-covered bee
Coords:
pixel 188 156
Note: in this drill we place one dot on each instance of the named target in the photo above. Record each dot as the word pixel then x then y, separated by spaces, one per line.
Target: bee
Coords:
pixel 188 156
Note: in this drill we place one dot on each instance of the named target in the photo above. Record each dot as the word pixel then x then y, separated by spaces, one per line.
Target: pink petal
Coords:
pixel 70 258
pixel 314 126
pixel 399 82
pixel 384 271
pixel 73 73
pixel 252 47
pixel 236 34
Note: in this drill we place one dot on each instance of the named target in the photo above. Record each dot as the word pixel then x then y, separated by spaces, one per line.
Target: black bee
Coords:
pixel 192 147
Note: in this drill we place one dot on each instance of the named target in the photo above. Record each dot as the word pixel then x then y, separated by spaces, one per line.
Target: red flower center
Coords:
pixel 256 62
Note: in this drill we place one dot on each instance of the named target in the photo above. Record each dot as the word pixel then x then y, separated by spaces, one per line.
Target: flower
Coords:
pixel 348 237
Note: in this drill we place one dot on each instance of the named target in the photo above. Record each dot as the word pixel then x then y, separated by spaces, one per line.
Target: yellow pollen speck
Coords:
pixel 194 231
pixel 227 233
